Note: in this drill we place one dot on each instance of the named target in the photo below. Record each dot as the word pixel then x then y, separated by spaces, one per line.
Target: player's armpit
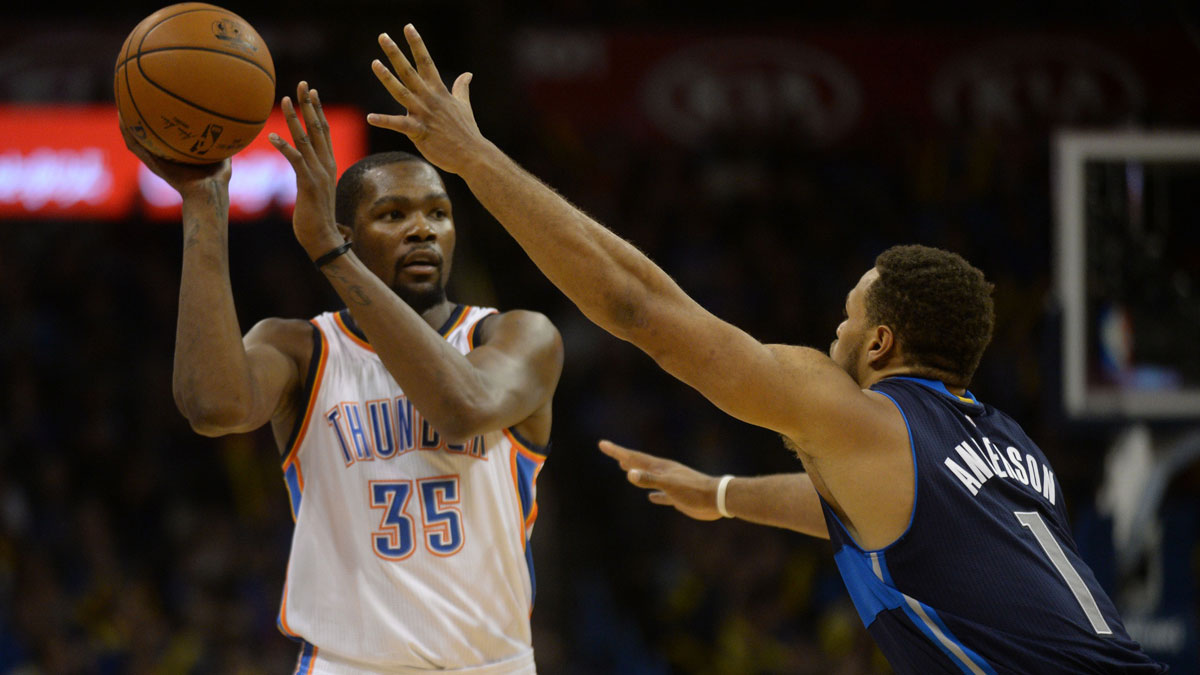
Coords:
pixel 518 357
pixel 277 355
pixel 797 391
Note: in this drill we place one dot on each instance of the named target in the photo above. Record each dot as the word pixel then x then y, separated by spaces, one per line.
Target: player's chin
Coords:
pixel 420 295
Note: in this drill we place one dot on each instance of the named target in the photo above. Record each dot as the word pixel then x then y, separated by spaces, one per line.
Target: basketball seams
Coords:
pixel 201 108
pixel 146 124
pixel 134 48
pixel 239 57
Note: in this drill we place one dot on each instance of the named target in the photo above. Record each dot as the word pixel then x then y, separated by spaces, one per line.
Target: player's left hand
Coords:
pixel 186 179
pixel 313 221
pixel 692 493
pixel 439 122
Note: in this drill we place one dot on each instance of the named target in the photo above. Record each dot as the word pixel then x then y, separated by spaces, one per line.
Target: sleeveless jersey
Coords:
pixel 986 579
pixel 408 553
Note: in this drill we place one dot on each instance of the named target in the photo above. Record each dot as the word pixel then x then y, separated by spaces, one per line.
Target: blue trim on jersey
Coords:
pixel 310 381
pixel 939 387
pixel 526 468
pixel 976 659
pixel 292 477
pixel 912 449
pixel 912 453
pixel 543 450
pixel 532 576
pixel 453 319
pixel 870 595
pixel 348 320
pixel 305 663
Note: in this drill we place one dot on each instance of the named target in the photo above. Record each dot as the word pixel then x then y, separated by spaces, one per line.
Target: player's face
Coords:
pixel 847 350
pixel 404 231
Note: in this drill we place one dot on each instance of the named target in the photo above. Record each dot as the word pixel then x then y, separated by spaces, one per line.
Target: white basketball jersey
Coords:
pixel 408 552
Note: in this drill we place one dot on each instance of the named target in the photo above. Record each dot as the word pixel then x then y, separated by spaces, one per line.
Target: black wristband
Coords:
pixel 327 258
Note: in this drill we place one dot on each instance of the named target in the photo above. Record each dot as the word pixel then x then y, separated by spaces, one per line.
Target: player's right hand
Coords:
pixel 184 178
pixel 439 121
pixel 692 493
pixel 313 219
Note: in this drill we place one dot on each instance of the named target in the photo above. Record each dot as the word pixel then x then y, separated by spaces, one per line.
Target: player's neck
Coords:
pixel 436 315
pixel 904 371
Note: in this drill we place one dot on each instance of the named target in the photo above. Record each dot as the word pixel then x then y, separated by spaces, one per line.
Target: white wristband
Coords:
pixel 721 487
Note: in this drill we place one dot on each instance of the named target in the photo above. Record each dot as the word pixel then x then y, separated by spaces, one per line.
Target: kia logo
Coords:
pixel 1019 81
pixel 751 85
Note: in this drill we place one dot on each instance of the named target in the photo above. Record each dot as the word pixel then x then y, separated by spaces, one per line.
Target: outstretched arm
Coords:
pixel 787 500
pixel 500 384
pixel 798 392
pixel 221 385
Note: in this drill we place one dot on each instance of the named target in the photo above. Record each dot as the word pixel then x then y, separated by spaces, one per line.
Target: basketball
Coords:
pixel 194 83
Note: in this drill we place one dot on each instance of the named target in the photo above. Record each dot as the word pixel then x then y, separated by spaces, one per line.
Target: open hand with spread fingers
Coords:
pixel 312 159
pixel 692 493
pixel 439 121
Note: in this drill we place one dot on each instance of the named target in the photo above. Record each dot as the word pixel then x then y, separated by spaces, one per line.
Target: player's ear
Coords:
pixel 346 231
pixel 882 346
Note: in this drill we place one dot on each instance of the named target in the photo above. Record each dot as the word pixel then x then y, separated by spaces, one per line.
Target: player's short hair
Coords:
pixel 350 185
pixel 939 307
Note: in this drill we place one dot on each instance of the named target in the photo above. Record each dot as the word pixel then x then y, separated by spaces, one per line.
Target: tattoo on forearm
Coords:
pixel 360 296
pixel 191 235
pixel 356 292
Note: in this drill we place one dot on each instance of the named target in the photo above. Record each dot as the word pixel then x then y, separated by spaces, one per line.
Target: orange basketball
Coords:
pixel 194 83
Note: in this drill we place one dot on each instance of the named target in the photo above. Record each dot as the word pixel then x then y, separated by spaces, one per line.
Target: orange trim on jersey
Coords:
pixel 539 459
pixel 516 477
pixel 471 330
pixel 308 407
pixel 312 660
pixel 466 309
pixel 350 334
pixel 283 624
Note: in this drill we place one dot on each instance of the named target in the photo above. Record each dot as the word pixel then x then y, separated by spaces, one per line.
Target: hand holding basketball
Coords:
pixel 182 177
pixel 194 83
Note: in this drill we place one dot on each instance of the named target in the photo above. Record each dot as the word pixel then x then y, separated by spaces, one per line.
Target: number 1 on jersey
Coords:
pixel 1045 539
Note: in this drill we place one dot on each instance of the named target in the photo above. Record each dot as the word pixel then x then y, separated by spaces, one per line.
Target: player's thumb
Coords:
pixel 642 478
pixel 462 88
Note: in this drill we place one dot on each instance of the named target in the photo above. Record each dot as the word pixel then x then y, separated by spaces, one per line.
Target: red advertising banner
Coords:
pixel 832 85
pixel 70 162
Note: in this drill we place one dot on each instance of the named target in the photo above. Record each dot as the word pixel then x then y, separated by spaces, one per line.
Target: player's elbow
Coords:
pixel 213 417
pixel 462 425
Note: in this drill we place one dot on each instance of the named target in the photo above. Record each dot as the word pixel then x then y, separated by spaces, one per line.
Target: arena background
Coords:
pixel 762 155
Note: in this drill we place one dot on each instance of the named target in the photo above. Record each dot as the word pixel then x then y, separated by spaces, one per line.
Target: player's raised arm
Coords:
pixel 613 283
pixel 219 384
pixel 513 372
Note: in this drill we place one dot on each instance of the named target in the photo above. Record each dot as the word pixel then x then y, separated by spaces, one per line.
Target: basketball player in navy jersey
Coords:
pixel 947 521
pixel 411 428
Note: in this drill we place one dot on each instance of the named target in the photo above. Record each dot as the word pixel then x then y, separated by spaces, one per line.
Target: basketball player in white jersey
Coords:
pixel 411 428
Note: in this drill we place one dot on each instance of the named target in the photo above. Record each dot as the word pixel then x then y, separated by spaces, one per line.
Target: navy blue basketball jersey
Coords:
pixel 986 579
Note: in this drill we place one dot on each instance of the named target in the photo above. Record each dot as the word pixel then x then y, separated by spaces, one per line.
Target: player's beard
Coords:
pixel 851 355
pixel 422 298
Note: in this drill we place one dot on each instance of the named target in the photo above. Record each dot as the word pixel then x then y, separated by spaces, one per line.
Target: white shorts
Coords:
pixel 312 661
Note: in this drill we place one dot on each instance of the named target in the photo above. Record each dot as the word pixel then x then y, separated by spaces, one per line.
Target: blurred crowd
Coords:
pixel 129 544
